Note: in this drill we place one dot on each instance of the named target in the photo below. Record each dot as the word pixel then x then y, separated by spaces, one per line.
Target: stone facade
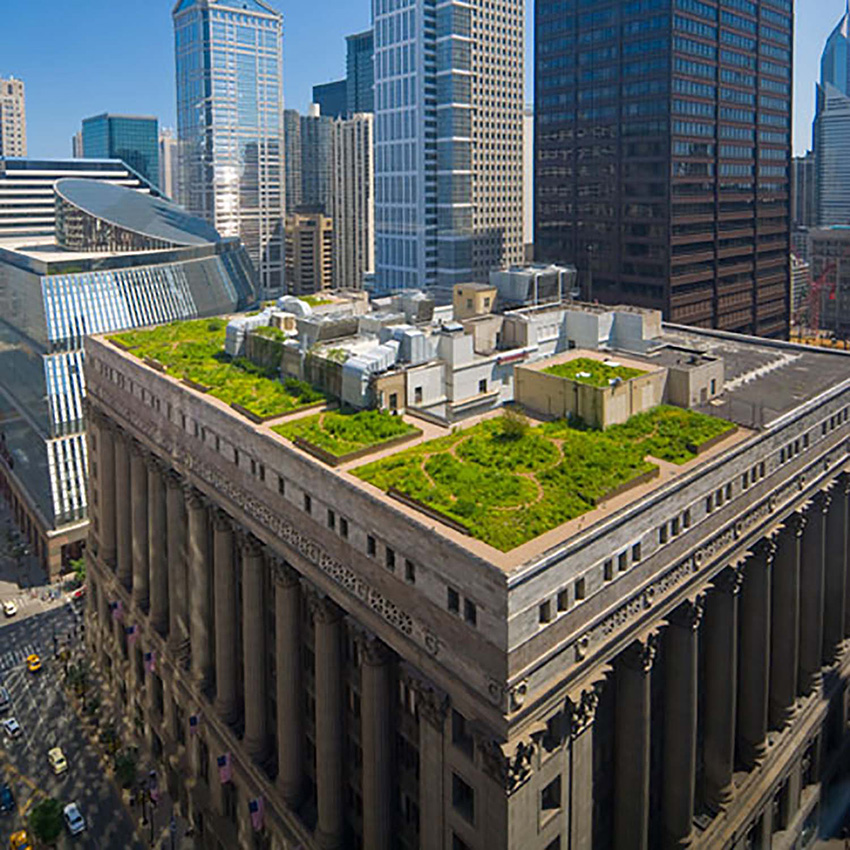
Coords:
pixel 672 675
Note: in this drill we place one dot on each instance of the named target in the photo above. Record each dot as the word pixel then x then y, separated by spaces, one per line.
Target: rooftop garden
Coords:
pixel 595 373
pixel 194 351
pixel 342 433
pixel 507 483
pixel 315 300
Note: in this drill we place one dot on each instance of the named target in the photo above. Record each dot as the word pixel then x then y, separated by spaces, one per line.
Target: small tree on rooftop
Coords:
pixel 514 423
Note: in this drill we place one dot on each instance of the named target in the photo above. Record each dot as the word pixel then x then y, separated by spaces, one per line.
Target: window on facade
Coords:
pixel 662 534
pixel 371 546
pixel 343 527
pixel 482 385
pixel 470 612
pixel 622 562
pixel 463 798
pixel 417 395
pixel 461 736
pixel 579 589
pixel 636 552
pixel 409 571
pixel 393 401
pixel 331 519
pixel 545 611
pixel 550 796
pixel 608 570
pixel 308 503
pixel 453 601
pixel 389 559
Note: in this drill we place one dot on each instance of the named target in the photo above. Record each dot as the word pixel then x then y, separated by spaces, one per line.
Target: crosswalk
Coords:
pixel 16 656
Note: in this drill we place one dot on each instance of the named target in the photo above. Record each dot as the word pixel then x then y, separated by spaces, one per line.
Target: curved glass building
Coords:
pixel 121 259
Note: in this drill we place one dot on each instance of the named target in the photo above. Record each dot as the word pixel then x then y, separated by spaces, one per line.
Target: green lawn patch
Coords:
pixel 315 300
pixel 347 432
pixel 592 372
pixel 194 351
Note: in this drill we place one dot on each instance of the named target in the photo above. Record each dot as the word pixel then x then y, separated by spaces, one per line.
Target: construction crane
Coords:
pixel 814 299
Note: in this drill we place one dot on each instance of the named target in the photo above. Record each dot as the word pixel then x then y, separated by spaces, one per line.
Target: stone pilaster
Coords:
pixel 680 723
pixel 329 722
pixel 198 557
pixel 582 715
pixel 226 618
pixel 157 555
pixel 377 743
pixel 178 613
pixel 721 685
pixel 812 588
pixel 139 511
pixel 288 654
pixel 106 481
pixel 838 538
pixel 632 745
pixel 754 655
pixel 123 521
pixel 254 647
pixel 785 609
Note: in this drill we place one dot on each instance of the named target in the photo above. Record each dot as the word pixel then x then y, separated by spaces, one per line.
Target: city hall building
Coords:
pixel 666 669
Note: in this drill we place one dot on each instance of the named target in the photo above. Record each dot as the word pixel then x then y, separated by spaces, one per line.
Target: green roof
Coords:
pixel 595 373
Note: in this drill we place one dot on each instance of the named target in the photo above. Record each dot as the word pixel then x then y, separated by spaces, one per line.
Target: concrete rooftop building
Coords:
pixel 437 637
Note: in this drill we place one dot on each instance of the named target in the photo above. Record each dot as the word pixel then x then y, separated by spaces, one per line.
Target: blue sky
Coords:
pixel 117 56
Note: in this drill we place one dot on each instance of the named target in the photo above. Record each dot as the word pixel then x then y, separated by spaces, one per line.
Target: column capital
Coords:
pixel 519 763
pixel 154 464
pixel 689 614
pixel 765 548
pixel 490 754
pixel 323 609
pixel 431 701
pixel 284 574
pixel 222 521
pixel 138 450
pixel 582 708
pixel 822 500
pixel 173 480
pixel 842 482
pixel 374 652
pixel 729 581
pixel 640 654
pixel 251 546
pixel 795 524
pixel 195 499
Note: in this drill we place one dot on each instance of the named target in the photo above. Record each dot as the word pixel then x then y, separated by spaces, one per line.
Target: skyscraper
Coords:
pixel 134 139
pixel 332 98
pixel 292 158
pixel 316 159
pixel 353 200
pixel 448 202
pixel 13 118
pixel 832 128
pixel 663 155
pixel 803 194
pixel 360 72
pixel 168 163
pixel 230 124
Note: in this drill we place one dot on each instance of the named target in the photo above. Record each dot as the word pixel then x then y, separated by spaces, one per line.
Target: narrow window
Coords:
pixel 608 570
pixel 331 519
pixel 308 503
pixel 343 527
pixel 470 612
pixel 371 546
pixel 545 611
pixel 563 600
pixel 453 601
pixel 550 797
pixel 389 559
pixel 636 551
pixel 281 485
pixel 579 589
pixel 622 562
pixel 409 571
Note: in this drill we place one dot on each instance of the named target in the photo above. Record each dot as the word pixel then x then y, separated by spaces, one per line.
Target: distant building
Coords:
pixel 168 163
pixel 528 181
pixel 332 98
pixel 829 258
pixel 131 138
pixel 803 191
pixel 119 259
pixel 799 284
pixel 353 201
pixel 316 159
pixel 360 72
pixel 77 145
pixel 231 151
pixel 13 117
pixel 309 253
pixel 292 157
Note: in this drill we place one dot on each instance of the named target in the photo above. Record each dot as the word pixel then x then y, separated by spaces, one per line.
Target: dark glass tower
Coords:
pixel 132 139
pixel 662 161
pixel 360 72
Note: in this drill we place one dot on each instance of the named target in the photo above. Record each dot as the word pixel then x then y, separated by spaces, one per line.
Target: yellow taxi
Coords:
pixel 20 841
pixel 33 663
pixel 57 760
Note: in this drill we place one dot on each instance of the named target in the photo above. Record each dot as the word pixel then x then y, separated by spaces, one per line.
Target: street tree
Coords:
pixel 45 821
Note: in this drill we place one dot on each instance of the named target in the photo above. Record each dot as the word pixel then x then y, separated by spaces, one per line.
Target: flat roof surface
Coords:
pixel 45 250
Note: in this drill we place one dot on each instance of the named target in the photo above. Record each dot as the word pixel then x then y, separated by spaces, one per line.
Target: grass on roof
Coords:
pixel 195 350
pixel 584 370
pixel 315 300
pixel 344 432
pixel 508 485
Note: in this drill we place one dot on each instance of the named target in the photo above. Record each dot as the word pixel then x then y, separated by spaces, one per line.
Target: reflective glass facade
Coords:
pixel 316 162
pixel 46 310
pixel 292 158
pixel 662 154
pixel 230 124
pixel 132 139
pixel 332 98
pixel 360 72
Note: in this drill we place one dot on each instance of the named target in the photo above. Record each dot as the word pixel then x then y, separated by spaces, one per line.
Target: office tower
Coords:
pixel 353 201
pixel 668 668
pixel 448 141
pixel 168 176
pixel 800 274
pixel 77 145
pixel 131 138
pixel 316 159
pixel 829 259
pixel 119 259
pixel 360 72
pixel 230 124
pixel 528 182
pixel 663 156
pixel 309 252
pixel 28 199
pixel 332 98
pixel 13 117
pixel 803 191
pixel 292 152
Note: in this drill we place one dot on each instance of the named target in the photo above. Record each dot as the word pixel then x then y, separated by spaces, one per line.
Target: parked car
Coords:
pixel 20 841
pixel 9 608
pixel 7 800
pixel 33 663
pixel 11 727
pixel 58 762
pixel 73 819
pixel 5 700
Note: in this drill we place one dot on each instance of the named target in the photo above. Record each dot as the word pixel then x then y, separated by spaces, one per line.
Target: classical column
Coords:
pixel 680 723
pixel 139 511
pixel 157 557
pixel 754 655
pixel 432 706
pixel 812 586
pixel 329 719
pixel 582 714
pixel 106 480
pixel 226 618
pixel 123 523
pixel 178 615
pixel 838 536
pixel 198 556
pixel 254 647
pixel 631 745
pixel 290 711
pixel 377 744
pixel 721 684
pixel 785 609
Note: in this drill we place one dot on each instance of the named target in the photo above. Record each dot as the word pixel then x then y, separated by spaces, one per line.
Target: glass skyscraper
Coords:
pixel 360 72
pixel 662 154
pixel 316 160
pixel 133 139
pixel 230 124
pixel 448 140
pixel 332 98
